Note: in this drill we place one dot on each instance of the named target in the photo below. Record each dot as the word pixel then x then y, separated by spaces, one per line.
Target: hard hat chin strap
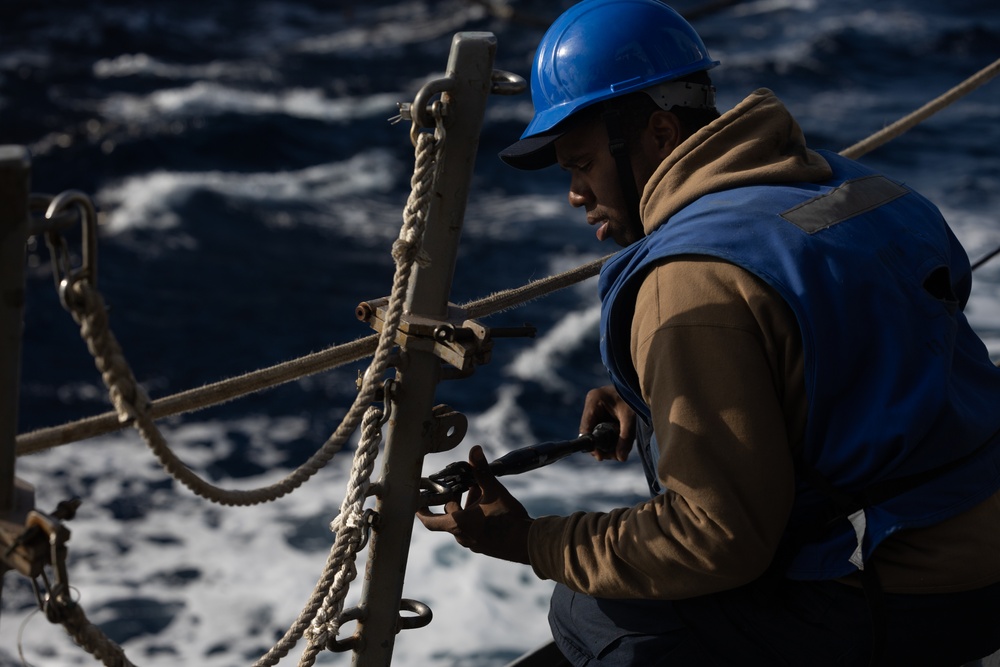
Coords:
pixel 618 145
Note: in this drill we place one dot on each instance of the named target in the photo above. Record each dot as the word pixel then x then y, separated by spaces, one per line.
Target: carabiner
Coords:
pixel 63 273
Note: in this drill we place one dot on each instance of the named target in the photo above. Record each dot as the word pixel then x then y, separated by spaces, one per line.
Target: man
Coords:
pixel 824 458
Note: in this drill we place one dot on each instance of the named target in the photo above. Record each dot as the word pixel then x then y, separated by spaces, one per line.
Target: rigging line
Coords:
pixel 226 390
pixel 507 299
pixel 190 400
pixel 985 258
pixel 889 133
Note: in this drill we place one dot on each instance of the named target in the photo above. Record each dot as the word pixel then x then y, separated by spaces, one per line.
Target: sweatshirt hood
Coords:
pixel 756 142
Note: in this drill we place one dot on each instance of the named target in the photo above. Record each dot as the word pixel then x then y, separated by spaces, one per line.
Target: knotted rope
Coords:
pixel 321 615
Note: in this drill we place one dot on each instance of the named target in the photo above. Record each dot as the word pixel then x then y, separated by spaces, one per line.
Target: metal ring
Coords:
pixel 354 641
pixel 434 493
pixel 422 611
pixel 418 110
pixel 507 83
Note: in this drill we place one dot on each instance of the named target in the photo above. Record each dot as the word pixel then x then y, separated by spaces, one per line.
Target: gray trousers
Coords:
pixel 775 622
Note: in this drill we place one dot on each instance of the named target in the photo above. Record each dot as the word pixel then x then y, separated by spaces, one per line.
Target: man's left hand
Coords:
pixel 492 522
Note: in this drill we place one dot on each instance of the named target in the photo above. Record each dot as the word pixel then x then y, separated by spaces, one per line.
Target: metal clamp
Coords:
pixel 461 342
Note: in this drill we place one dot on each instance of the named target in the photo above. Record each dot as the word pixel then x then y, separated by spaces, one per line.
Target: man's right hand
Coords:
pixel 604 404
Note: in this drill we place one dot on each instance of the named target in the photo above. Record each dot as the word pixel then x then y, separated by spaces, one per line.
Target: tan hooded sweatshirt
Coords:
pixel 719 356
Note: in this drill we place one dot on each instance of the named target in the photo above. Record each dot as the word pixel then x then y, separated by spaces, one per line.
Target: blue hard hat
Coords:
pixel 598 50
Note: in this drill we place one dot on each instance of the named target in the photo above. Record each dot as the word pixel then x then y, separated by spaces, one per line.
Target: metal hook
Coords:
pixel 62 270
pixel 370 518
pixel 387 401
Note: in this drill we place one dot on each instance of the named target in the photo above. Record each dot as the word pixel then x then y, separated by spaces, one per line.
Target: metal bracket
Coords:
pixel 450 428
pixel 39 542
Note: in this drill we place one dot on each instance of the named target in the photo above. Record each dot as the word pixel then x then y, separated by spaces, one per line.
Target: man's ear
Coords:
pixel 665 129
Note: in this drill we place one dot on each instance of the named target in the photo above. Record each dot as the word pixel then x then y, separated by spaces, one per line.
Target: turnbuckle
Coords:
pixel 456 478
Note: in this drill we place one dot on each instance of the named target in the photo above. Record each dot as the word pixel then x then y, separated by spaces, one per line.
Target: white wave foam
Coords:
pixel 151 201
pixel 540 362
pixel 513 216
pixel 393 27
pixel 207 98
pixel 142 64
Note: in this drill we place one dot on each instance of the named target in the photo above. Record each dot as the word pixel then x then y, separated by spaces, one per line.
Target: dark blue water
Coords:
pixel 250 188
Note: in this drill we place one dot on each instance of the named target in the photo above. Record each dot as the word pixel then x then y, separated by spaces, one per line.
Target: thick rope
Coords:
pixel 339 571
pixel 923 113
pixel 132 406
pixel 349 527
pixel 89 637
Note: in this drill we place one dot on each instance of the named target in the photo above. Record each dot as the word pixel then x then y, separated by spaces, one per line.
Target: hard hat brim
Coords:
pixel 535 152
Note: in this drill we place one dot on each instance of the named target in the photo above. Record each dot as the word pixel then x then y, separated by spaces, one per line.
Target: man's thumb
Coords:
pixel 481 469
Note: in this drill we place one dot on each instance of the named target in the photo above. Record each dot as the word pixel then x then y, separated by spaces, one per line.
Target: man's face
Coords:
pixel 583 153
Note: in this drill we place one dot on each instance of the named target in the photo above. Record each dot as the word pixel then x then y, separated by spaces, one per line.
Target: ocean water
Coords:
pixel 250 188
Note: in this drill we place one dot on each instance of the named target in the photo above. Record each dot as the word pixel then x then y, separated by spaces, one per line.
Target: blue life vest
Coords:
pixel 898 383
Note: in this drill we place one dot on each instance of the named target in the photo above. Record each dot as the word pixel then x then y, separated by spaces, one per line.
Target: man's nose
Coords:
pixel 578 197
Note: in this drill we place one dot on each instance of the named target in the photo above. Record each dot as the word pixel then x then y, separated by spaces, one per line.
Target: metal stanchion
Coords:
pixel 15 188
pixel 470 68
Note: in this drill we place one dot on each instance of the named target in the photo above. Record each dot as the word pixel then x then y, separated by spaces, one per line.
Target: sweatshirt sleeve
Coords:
pixel 715 351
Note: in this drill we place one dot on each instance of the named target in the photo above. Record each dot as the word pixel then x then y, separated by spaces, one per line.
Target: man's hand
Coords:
pixel 604 404
pixel 492 522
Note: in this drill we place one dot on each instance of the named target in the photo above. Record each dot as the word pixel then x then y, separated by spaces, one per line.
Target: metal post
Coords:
pixel 470 65
pixel 15 188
